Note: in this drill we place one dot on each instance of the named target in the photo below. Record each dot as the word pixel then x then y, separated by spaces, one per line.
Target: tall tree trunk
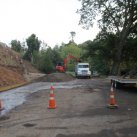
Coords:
pixel 117 58
pixel 115 67
pixel 119 49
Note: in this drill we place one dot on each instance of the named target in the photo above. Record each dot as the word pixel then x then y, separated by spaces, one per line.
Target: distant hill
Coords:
pixel 13 69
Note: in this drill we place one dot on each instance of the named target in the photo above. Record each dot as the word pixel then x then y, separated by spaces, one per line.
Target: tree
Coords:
pixel 73 34
pixel 130 54
pixel 16 45
pixel 100 52
pixel 73 49
pixel 56 55
pixel 119 16
pixel 33 44
pixel 46 63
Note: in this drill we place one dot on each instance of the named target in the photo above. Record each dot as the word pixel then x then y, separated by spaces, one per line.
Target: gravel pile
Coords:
pixel 55 77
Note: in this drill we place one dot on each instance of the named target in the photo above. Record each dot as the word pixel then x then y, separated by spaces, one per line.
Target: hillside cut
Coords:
pixel 13 69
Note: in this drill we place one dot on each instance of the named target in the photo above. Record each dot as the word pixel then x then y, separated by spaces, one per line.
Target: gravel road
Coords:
pixel 81 112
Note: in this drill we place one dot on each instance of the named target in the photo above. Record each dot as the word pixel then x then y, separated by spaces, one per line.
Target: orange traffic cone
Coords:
pixel 112 101
pixel 52 103
pixel 1 106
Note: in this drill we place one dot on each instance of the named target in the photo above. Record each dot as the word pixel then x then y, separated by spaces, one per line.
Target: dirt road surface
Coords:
pixel 81 111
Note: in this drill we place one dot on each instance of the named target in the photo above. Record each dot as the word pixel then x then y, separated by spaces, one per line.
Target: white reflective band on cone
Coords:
pixel 111 96
pixel 51 98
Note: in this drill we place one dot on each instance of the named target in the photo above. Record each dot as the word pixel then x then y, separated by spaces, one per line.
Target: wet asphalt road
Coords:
pixel 88 115
pixel 15 97
pixel 100 121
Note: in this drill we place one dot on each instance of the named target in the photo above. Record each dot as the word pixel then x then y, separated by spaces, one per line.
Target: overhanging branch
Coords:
pixel 115 22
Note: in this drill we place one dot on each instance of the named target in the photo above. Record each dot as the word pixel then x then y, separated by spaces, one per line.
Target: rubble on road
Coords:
pixel 55 77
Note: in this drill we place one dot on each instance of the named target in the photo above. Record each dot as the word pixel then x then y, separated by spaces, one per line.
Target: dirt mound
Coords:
pixel 55 77
pixel 9 57
pixel 29 67
pixel 10 76
pixel 13 69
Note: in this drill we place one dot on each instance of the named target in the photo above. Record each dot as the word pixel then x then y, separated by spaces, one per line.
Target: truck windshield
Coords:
pixel 83 66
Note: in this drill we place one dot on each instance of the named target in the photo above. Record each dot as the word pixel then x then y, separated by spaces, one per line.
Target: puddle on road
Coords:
pixel 12 98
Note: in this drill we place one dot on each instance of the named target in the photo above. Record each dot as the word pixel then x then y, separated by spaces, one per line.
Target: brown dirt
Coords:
pixel 10 76
pixel 55 77
pixel 13 69
pixel 29 67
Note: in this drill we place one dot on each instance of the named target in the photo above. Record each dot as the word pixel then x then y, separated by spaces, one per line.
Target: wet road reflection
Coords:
pixel 15 97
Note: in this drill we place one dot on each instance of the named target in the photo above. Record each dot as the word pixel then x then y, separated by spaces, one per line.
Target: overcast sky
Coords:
pixel 51 21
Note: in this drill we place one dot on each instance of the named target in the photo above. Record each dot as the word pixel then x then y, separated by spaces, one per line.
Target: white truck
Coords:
pixel 82 70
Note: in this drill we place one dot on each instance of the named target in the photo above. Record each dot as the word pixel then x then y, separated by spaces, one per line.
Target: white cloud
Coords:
pixel 51 20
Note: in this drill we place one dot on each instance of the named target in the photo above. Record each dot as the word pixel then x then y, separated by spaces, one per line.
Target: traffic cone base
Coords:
pixel 112 106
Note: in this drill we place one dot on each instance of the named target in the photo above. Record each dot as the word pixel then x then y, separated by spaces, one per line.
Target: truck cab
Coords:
pixel 82 70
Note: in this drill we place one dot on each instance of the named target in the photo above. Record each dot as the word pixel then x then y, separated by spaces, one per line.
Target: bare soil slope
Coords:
pixel 12 67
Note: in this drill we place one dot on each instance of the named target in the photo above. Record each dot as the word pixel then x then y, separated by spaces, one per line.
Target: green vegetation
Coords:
pixel 100 53
pixel 113 51
pixel 45 59
pixel 73 49
pixel 113 16
pixel 33 46
pixel 16 45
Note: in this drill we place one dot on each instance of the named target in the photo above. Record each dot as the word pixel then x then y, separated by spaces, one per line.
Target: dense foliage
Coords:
pixel 70 49
pixel 33 44
pixel 44 57
pixel 16 45
pixel 101 52
pixel 119 16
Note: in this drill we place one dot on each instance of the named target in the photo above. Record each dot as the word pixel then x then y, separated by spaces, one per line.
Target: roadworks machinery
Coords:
pixel 61 67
